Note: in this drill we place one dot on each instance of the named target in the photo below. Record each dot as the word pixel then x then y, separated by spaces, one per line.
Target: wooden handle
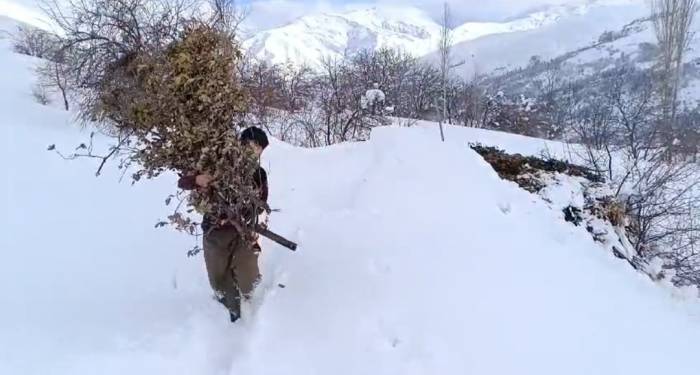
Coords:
pixel 275 237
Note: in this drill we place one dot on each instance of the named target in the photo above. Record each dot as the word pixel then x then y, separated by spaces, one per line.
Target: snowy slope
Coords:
pixel 314 37
pixel 605 46
pixel 415 258
pixel 578 28
pixel 429 283
pixel 18 11
pixel 534 20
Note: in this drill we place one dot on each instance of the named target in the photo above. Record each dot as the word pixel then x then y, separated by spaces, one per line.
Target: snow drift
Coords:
pixel 415 258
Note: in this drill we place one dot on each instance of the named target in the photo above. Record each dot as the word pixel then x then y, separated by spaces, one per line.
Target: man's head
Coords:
pixel 255 138
pixel 375 85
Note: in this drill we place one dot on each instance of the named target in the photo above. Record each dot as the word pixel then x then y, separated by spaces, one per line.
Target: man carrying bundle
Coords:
pixel 230 258
pixel 172 99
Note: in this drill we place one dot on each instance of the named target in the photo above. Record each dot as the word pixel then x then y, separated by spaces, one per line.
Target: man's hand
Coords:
pixel 263 218
pixel 203 180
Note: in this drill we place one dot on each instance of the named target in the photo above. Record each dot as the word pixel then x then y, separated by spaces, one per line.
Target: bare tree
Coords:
pixel 52 72
pixel 337 99
pixel 672 23
pixel 391 69
pixel 228 16
pixel 52 76
pixel 689 134
pixel 40 95
pixel 420 90
pixel 263 83
pixel 445 52
pixel 297 87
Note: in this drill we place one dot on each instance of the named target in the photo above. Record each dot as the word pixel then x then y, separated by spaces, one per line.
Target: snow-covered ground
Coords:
pixel 414 258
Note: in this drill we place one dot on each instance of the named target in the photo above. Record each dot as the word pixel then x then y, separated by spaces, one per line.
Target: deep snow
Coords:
pixel 415 258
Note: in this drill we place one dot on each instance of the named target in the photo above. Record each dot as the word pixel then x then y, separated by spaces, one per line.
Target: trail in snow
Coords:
pixel 430 275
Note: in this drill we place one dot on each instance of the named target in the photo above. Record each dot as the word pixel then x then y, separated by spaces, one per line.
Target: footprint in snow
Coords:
pixel 505 207
pixel 378 267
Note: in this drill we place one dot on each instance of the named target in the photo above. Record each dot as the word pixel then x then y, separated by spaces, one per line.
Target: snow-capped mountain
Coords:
pixel 533 20
pixel 312 38
pixel 559 32
pixel 547 31
pixel 511 61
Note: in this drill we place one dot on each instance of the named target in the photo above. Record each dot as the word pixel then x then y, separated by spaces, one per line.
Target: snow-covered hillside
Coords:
pixel 580 27
pixel 538 19
pixel 315 37
pixel 572 33
pixel 414 258
pixel 12 11
pixel 511 71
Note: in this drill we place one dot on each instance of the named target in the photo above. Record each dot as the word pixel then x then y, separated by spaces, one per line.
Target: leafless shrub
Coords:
pixel 310 109
pixel 470 105
pixel 687 146
pixel 338 101
pixel 35 42
pixel 392 70
pixel 621 136
pixel 40 95
pixel 263 82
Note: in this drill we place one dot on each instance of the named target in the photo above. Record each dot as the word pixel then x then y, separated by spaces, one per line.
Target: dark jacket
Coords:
pixel 188 182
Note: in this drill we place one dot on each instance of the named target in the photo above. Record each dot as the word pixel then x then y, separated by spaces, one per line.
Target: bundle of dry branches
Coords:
pixel 179 108
pixel 161 80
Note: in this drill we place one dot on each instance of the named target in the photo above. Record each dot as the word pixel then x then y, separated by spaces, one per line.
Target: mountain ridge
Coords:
pixel 315 37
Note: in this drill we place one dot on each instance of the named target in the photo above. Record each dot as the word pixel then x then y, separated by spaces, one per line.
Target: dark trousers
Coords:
pixel 232 266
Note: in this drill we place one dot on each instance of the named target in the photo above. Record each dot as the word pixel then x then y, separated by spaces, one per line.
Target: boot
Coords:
pixel 234 317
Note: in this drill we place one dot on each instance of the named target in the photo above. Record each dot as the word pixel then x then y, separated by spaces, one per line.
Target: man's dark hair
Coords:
pixel 255 134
